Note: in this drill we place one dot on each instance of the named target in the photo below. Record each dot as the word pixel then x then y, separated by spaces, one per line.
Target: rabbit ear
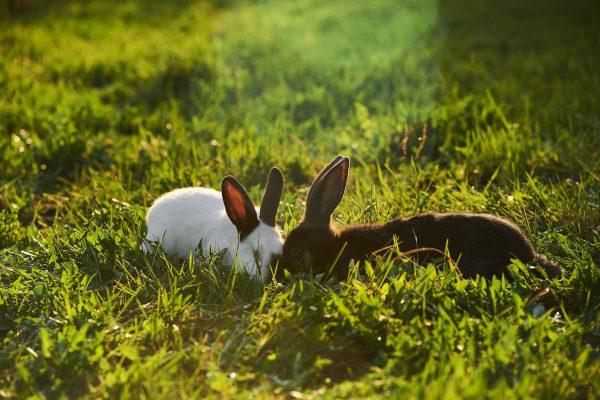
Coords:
pixel 320 176
pixel 272 197
pixel 238 206
pixel 327 192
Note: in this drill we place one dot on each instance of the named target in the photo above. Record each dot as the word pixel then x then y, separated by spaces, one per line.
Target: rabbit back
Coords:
pixel 483 243
pixel 183 218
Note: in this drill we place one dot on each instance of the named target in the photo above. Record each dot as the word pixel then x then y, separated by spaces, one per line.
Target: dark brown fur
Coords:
pixel 482 244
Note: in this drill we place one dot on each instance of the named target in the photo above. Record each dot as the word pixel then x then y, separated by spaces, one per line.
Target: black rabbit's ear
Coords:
pixel 238 206
pixel 272 197
pixel 319 177
pixel 327 192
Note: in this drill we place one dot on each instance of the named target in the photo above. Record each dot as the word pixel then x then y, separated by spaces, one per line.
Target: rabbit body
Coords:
pixel 227 221
pixel 184 217
pixel 482 244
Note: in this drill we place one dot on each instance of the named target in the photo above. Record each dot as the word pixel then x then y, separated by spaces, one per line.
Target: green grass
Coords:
pixel 106 105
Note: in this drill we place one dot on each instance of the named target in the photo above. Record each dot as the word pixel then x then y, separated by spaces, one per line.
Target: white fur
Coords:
pixel 184 217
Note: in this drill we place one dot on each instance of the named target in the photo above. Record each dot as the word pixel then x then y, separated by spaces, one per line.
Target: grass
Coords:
pixel 454 105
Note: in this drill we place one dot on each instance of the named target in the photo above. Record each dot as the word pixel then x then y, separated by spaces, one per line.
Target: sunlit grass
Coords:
pixel 339 34
pixel 442 106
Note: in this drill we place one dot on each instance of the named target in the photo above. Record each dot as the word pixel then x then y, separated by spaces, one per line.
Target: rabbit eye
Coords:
pixel 296 250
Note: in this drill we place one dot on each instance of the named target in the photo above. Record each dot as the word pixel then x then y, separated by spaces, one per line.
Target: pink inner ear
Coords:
pixel 237 203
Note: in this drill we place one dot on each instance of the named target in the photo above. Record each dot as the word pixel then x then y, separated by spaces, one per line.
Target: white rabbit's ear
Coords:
pixel 238 206
pixel 326 193
pixel 272 197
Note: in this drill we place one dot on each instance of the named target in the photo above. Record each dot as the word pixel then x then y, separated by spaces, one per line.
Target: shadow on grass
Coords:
pixel 544 51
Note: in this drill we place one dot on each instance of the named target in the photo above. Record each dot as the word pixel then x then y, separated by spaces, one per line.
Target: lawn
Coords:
pixel 442 106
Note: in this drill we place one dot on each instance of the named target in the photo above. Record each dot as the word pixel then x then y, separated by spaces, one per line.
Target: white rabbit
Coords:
pixel 225 221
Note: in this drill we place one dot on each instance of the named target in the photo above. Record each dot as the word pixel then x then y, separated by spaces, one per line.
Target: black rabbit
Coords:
pixel 482 244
